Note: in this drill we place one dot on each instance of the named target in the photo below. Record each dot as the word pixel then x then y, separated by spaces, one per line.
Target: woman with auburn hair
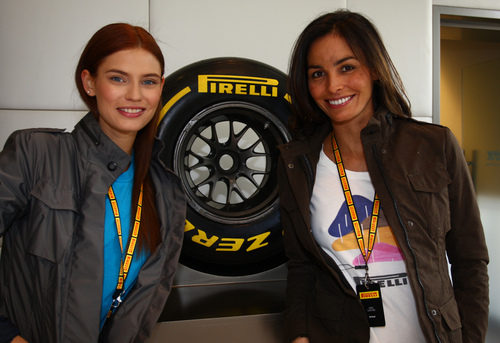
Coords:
pixel 92 221
pixel 373 203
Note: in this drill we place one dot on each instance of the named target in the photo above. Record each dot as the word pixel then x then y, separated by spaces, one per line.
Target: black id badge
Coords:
pixel 371 298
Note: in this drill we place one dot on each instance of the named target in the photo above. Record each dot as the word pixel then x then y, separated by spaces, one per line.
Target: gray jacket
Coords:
pixel 52 193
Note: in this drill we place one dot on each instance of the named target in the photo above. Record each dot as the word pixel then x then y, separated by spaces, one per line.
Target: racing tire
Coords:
pixel 221 122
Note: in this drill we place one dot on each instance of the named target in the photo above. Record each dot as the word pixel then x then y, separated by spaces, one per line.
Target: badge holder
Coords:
pixel 370 296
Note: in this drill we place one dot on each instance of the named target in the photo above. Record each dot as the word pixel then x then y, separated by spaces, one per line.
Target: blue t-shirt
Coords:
pixel 112 252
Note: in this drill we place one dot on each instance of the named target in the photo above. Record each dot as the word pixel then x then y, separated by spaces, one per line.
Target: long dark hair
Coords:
pixel 366 44
pixel 106 41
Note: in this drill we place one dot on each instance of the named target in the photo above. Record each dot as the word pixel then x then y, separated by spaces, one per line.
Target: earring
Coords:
pixel 88 91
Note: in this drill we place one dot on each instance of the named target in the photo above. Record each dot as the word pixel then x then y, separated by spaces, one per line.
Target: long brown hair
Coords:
pixel 366 44
pixel 106 41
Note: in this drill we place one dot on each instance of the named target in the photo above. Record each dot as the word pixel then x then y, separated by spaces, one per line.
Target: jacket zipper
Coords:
pixel 309 173
pixel 405 231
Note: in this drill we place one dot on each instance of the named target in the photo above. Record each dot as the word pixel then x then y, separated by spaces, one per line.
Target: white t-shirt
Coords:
pixel 332 228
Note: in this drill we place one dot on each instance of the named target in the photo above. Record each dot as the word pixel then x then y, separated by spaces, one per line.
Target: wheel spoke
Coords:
pixel 227 161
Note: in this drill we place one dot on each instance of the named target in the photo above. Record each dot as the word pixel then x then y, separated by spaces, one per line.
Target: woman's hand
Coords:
pixel 301 340
pixel 19 339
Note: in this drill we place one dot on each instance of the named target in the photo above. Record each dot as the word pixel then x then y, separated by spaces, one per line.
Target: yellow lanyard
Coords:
pixel 124 264
pixel 352 210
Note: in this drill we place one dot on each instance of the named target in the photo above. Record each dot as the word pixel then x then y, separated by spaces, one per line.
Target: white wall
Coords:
pixel 41 40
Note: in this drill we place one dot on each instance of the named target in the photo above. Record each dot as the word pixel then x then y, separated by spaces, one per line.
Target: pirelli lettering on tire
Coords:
pixel 238 85
pixel 221 123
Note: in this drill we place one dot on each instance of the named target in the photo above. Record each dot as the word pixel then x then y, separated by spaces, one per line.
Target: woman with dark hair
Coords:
pixel 92 221
pixel 373 203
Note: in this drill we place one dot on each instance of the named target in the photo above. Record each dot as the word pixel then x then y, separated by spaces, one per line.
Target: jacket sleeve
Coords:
pixel 14 187
pixel 300 279
pixel 13 201
pixel 466 247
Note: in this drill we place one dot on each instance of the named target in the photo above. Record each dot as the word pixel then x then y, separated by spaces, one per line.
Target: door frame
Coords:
pixel 437 11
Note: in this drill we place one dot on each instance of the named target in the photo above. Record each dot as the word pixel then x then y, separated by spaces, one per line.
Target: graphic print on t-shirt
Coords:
pixel 385 248
pixel 333 231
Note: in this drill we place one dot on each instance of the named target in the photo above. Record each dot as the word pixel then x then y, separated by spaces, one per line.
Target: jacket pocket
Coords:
pixel 336 316
pixel 328 307
pixel 52 220
pixel 328 299
pixel 448 320
pixel 431 192
pixel 450 314
pixel 429 181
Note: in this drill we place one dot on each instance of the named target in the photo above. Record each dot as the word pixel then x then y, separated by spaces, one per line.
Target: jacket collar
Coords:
pixel 306 152
pixel 381 119
pixel 98 148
